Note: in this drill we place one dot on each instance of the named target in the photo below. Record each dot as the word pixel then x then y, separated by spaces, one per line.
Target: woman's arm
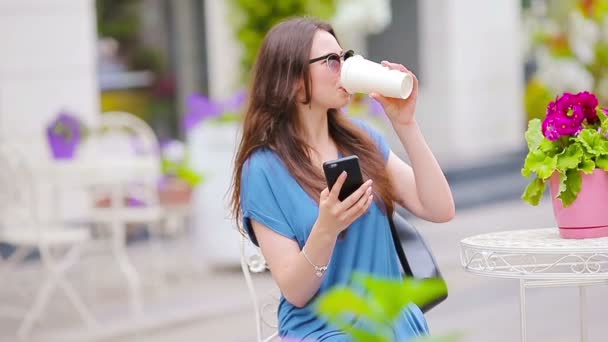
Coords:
pixel 294 275
pixel 422 188
pixel 294 269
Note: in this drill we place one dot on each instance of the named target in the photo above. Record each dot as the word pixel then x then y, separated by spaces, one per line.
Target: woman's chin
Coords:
pixel 343 101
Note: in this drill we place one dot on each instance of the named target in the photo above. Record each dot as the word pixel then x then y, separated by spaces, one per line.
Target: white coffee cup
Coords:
pixel 359 75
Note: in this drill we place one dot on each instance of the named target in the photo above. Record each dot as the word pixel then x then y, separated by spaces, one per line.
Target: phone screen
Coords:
pixel 354 179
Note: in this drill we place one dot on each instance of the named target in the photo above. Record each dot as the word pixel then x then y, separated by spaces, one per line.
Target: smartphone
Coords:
pixel 354 178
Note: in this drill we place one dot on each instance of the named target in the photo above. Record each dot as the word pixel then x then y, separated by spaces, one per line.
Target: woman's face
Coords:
pixel 327 91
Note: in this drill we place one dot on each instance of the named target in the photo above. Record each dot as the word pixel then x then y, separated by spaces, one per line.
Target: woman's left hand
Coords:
pixel 399 111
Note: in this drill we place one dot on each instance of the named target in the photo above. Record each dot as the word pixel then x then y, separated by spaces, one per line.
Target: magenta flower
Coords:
pixel 566 115
pixel 565 102
pixel 549 129
pixel 588 102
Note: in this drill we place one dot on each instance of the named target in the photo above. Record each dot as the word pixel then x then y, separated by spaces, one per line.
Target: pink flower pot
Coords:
pixel 587 217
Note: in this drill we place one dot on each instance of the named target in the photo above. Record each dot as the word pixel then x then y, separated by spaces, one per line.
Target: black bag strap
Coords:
pixel 428 263
pixel 399 248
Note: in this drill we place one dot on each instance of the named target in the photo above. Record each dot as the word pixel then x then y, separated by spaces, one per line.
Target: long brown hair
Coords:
pixel 271 116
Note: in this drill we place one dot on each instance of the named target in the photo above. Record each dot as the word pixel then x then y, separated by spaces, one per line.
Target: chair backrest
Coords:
pixel 124 136
pixel 138 136
pixel 18 195
pixel 265 312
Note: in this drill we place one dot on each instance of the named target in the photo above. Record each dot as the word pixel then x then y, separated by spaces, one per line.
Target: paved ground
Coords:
pixel 213 305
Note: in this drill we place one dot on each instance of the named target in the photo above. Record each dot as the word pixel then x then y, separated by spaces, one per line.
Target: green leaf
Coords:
pixel 602 162
pixel 603 118
pixel 339 302
pixel 592 141
pixel 570 158
pixel 562 182
pixel 587 166
pixel 549 147
pixel 534 191
pixel 539 163
pixel 364 336
pixel 393 296
pixel 573 186
pixel 534 134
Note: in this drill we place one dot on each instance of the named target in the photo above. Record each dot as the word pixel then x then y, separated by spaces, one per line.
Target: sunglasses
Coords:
pixel 333 60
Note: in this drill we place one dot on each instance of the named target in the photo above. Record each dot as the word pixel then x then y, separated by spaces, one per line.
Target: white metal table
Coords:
pixel 113 173
pixel 538 258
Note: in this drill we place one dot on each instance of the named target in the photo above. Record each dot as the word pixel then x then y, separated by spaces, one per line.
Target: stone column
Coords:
pixel 47 63
pixel 471 92
pixel 223 51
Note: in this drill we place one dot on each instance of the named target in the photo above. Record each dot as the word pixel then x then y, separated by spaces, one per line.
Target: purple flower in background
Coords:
pixel 235 103
pixel 63 135
pixel 134 202
pixel 65 126
pixel 199 108
pixel 173 151
pixel 375 108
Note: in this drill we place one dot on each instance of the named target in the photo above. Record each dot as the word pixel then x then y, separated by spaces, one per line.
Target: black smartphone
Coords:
pixel 354 178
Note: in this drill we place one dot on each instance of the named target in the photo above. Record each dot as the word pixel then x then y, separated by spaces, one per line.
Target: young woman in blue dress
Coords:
pixel 292 125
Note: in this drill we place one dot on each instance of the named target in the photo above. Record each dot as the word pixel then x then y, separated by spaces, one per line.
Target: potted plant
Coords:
pixel 569 150
pixel 211 128
pixel 179 179
pixel 64 133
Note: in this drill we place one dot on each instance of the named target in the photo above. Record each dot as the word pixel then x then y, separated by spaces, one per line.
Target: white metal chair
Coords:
pixel 22 226
pixel 125 139
pixel 252 261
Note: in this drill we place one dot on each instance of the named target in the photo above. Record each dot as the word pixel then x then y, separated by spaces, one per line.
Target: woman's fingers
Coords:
pixel 395 66
pixel 355 196
pixel 335 190
pixel 360 207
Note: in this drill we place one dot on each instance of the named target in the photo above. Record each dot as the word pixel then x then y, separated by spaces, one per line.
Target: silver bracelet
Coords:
pixel 319 270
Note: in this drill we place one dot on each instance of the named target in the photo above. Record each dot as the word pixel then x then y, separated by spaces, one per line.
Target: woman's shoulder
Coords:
pixel 262 160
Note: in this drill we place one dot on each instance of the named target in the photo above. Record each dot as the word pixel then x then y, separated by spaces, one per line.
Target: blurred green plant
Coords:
pixel 121 21
pixel 378 303
pixel 536 98
pixel 252 19
pixel 175 163
pixel 568 41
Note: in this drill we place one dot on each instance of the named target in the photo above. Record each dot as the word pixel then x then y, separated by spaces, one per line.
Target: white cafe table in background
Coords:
pixel 113 174
pixel 538 258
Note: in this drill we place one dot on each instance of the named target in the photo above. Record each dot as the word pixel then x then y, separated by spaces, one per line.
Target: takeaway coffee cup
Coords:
pixel 359 75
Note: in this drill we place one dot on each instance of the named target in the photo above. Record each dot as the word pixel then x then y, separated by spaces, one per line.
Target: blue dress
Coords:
pixel 272 197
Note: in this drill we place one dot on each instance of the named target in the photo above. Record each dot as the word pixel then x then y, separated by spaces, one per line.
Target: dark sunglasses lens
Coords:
pixel 333 62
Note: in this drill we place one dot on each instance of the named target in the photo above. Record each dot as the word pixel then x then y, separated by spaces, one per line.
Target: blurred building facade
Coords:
pixel 47 64
pixel 467 56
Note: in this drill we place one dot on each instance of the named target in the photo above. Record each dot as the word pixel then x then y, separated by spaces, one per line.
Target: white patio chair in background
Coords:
pixel 126 141
pixel 265 311
pixel 21 226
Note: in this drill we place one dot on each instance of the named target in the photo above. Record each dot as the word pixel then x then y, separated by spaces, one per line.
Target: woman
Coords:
pixel 291 127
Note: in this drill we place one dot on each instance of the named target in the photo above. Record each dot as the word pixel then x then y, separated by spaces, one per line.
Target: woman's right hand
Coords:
pixel 335 215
